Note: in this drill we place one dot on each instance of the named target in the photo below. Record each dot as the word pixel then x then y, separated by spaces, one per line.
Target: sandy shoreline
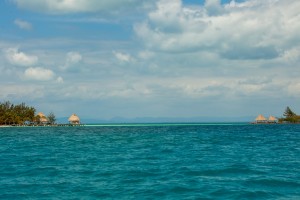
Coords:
pixel 55 125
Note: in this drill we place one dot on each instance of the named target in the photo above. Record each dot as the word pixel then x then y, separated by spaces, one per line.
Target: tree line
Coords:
pixel 20 114
pixel 289 116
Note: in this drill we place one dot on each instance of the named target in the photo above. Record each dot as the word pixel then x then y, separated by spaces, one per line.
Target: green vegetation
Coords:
pixel 20 114
pixel 289 116
pixel 51 118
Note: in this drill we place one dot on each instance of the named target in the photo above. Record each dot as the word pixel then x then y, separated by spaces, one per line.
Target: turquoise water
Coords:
pixel 183 161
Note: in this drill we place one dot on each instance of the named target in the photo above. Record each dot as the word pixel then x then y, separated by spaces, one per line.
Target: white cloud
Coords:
pixel 294 89
pixel 72 59
pixel 39 74
pixel 60 80
pixel 249 30
pixel 123 57
pixel 16 57
pixel 213 7
pixel 292 55
pixel 23 24
pixel 75 6
pixel 146 54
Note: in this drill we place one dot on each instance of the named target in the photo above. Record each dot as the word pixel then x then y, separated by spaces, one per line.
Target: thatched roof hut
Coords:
pixel 260 119
pixel 40 114
pixel 272 119
pixel 42 118
pixel 74 119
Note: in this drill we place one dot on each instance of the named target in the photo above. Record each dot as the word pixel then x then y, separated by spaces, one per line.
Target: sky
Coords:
pixel 103 59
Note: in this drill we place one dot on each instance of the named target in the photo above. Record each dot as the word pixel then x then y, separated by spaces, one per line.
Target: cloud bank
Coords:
pixel 176 59
pixel 76 6
pixel 249 30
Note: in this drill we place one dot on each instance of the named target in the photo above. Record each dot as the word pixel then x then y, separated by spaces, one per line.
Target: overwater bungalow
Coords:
pixel 272 119
pixel 260 119
pixel 42 119
pixel 74 119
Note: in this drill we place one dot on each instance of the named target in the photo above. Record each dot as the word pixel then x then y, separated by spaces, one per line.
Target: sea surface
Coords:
pixel 151 161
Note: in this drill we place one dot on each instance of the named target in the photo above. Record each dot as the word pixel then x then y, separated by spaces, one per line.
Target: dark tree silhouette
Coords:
pixel 51 117
pixel 288 112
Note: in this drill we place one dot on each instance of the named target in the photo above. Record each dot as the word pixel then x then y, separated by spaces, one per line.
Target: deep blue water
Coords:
pixel 210 161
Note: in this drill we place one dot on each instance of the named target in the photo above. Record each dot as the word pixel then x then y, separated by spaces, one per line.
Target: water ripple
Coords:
pixel 151 162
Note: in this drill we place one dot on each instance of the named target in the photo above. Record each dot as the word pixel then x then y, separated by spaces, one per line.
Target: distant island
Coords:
pixel 289 117
pixel 23 115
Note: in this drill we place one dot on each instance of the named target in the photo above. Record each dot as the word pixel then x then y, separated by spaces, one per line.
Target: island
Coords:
pixel 289 117
pixel 24 115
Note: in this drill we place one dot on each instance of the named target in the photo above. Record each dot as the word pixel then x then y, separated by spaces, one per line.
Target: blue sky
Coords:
pixel 151 58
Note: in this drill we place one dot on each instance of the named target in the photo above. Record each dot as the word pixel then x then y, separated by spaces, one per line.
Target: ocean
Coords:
pixel 151 161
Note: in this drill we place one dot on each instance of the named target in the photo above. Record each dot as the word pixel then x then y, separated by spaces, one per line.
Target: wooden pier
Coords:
pixel 43 125
pixel 70 125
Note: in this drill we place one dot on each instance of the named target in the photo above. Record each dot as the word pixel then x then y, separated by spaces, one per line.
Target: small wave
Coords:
pixel 256 195
pixel 180 189
pixel 278 183
pixel 229 171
